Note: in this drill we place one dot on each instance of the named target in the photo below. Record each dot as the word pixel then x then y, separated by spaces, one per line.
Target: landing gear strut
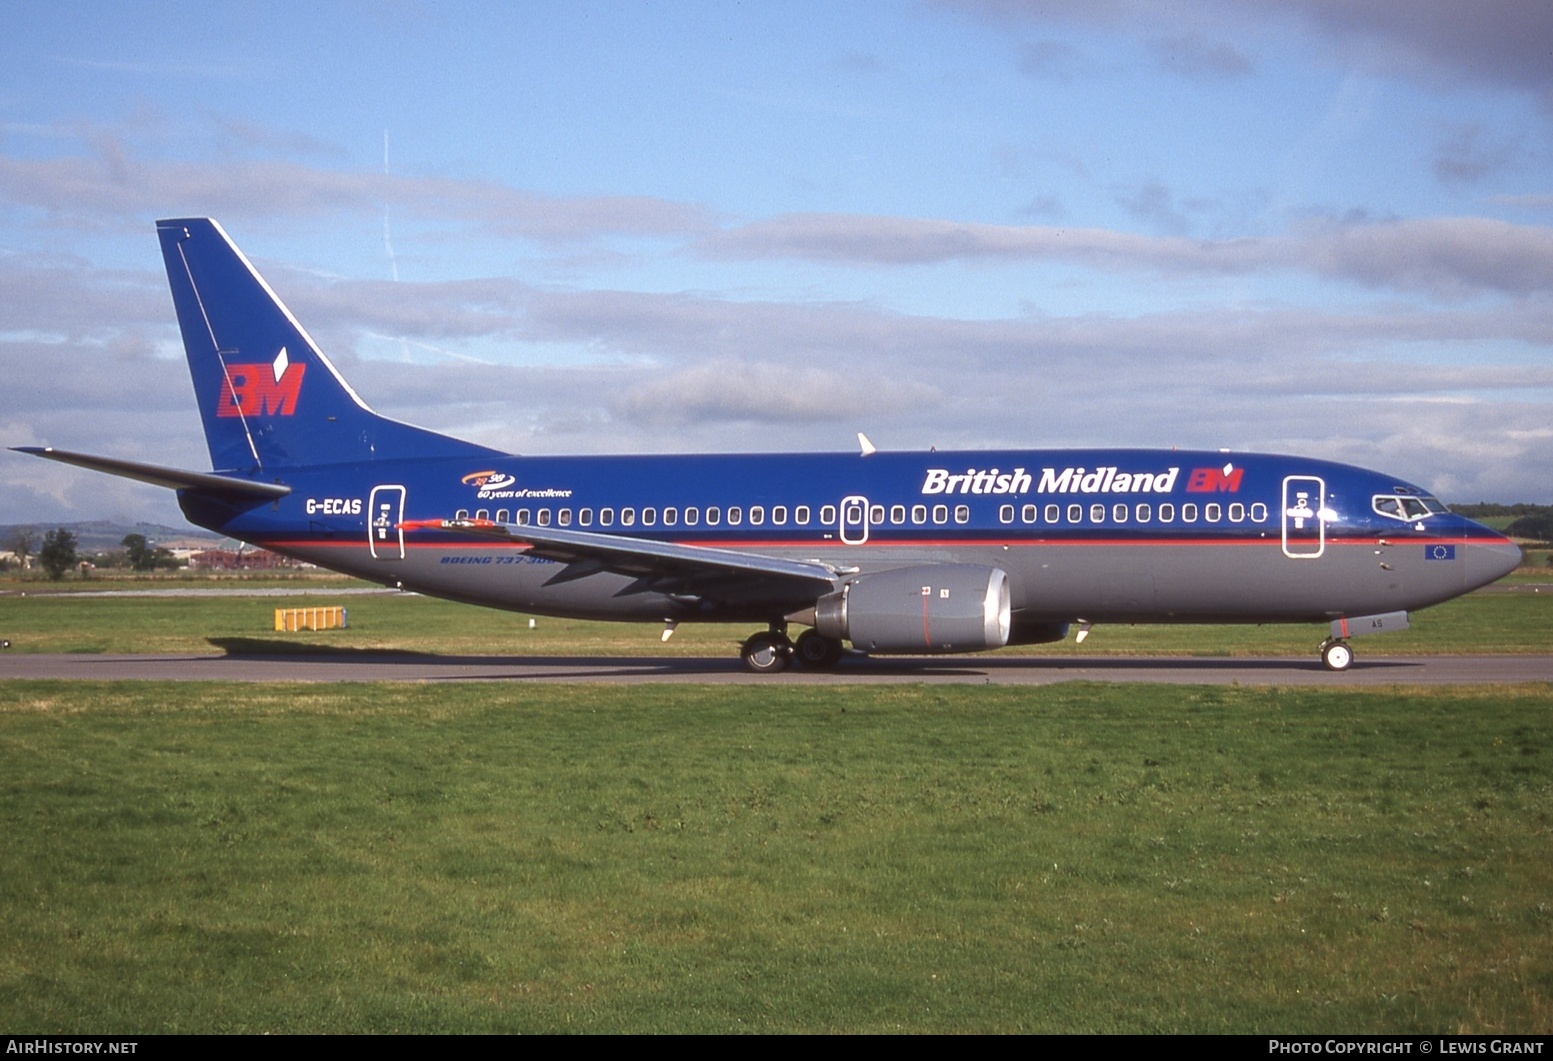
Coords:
pixel 768 652
pixel 1336 655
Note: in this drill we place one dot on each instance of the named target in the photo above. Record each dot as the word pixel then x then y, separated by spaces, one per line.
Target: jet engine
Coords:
pixel 930 608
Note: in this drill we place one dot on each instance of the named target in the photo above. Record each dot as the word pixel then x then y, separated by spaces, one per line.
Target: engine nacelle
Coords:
pixel 930 608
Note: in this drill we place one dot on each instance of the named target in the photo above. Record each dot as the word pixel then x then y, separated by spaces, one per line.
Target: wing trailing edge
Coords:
pixel 657 566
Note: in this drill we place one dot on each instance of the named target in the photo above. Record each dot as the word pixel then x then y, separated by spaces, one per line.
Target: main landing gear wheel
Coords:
pixel 816 651
pixel 767 653
pixel 1336 655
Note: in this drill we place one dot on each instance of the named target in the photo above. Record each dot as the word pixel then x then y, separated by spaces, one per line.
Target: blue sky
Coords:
pixel 1318 226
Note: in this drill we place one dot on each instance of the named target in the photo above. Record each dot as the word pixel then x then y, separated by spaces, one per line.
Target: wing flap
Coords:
pixel 663 567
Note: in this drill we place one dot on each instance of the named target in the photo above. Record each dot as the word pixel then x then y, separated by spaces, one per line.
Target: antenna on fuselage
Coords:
pixel 868 447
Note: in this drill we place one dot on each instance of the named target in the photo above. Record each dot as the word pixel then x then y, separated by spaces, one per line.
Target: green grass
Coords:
pixel 1479 623
pixel 295 858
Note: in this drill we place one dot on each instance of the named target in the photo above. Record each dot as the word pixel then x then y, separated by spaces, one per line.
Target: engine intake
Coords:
pixel 930 608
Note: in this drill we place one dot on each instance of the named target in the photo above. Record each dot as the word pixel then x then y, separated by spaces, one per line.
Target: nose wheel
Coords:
pixel 1336 655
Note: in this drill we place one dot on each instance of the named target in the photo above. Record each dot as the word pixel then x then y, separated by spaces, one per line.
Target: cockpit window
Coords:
pixel 1406 509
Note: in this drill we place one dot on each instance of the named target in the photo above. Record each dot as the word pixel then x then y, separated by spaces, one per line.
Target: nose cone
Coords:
pixel 1490 558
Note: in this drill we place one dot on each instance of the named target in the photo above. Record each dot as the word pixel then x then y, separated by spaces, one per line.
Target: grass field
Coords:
pixel 193 857
pixel 294 858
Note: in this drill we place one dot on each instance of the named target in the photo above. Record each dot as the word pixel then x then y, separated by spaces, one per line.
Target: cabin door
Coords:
pixel 1304 516
pixel 854 520
pixel 385 536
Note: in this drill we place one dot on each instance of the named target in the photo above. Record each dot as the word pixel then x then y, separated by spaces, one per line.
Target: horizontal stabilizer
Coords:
pixel 157 475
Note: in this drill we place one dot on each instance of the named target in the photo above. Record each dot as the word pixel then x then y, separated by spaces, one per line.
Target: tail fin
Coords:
pixel 268 396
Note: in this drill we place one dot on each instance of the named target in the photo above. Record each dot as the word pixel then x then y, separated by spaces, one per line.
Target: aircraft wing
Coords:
pixel 157 475
pixel 658 567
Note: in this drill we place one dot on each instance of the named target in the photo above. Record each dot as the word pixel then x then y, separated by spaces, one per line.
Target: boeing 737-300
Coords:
pixel 892 552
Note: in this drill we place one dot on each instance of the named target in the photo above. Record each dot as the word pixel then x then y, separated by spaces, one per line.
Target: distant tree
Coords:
pixel 22 541
pixel 1537 527
pixel 58 553
pixel 142 555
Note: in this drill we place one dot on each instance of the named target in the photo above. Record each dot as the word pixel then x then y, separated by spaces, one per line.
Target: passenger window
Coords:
pixel 801 515
pixel 714 515
pixel 522 517
pixel 876 515
pixel 1143 512
pixel 757 515
pixel 670 517
pixel 1167 512
pixel 627 517
pixel 1259 512
pixel 962 513
pixel 1075 513
pixel 1212 511
pixel 1053 513
pixel 1237 512
pixel 827 515
pixel 606 517
pixel 1119 513
pixel 897 514
pixel 1189 512
pixel 1027 513
pixel 649 516
pixel 691 516
pixel 1097 513
pixel 855 514
pixel 544 517
pixel 919 513
pixel 940 513
pixel 564 517
pixel 482 513
pixel 462 513
pixel 735 515
pixel 585 517
pixel 501 515
pixel 1006 513
pixel 779 514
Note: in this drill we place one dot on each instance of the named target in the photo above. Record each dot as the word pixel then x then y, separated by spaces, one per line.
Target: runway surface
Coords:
pixel 989 670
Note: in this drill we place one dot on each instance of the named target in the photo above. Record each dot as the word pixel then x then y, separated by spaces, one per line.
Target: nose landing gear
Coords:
pixel 1336 655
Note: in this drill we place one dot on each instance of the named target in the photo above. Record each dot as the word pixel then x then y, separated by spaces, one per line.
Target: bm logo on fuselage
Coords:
pixel 261 390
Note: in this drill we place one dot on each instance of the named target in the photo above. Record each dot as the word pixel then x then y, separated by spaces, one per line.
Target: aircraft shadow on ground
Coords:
pixel 853 663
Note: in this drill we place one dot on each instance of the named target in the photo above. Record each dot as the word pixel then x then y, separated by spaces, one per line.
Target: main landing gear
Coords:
pixel 770 651
pixel 1336 655
pixel 816 651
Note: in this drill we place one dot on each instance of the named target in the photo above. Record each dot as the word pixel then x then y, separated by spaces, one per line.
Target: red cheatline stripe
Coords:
pixel 911 543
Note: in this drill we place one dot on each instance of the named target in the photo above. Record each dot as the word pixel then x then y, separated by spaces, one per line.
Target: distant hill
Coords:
pixel 102 536
pixel 1527 522
pixel 1482 509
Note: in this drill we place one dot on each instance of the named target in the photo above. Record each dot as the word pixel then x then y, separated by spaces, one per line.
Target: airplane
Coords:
pixel 892 552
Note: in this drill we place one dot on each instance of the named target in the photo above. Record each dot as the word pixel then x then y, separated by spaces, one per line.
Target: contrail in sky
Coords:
pixel 388 244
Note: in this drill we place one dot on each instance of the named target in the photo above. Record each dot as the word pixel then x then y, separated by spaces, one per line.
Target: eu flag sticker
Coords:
pixel 1439 552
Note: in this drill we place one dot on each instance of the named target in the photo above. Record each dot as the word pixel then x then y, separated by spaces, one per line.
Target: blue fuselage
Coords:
pixel 1096 535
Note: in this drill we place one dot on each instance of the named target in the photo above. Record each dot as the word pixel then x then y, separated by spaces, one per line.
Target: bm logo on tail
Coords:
pixel 261 390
